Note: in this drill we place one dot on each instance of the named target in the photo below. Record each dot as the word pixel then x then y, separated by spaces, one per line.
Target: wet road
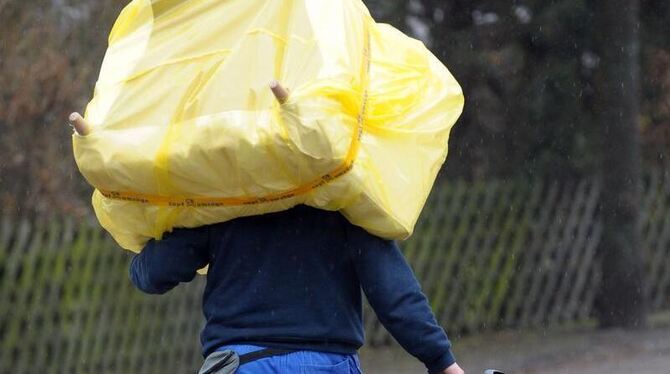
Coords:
pixel 582 351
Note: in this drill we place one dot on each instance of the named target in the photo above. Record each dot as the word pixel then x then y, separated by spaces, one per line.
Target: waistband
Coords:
pixel 304 356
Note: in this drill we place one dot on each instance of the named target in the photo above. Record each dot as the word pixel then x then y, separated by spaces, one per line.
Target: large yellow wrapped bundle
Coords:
pixel 186 132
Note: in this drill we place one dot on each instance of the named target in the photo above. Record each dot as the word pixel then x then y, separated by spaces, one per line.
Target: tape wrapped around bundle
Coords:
pixel 185 131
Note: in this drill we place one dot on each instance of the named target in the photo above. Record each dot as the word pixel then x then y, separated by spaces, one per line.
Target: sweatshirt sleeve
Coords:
pixel 165 263
pixel 396 297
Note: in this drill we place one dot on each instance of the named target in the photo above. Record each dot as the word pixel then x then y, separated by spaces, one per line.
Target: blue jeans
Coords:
pixel 300 362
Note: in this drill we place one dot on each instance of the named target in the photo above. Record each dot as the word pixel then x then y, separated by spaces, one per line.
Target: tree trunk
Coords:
pixel 622 299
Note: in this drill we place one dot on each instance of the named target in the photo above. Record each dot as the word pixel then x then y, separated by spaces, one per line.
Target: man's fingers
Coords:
pixel 79 124
pixel 279 91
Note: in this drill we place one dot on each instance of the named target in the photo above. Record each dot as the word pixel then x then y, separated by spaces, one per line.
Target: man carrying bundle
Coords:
pixel 292 203
pixel 283 290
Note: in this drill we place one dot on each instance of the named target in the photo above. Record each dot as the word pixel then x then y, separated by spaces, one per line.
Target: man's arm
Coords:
pixel 165 263
pixel 395 295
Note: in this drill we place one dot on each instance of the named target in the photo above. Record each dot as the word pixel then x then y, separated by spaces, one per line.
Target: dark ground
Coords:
pixel 583 350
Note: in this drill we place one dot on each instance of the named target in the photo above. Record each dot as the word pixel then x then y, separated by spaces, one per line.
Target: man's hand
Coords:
pixel 453 369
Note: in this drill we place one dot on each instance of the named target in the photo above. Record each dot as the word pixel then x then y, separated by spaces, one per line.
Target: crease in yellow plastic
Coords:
pixel 277 36
pixel 187 133
pixel 162 162
pixel 177 61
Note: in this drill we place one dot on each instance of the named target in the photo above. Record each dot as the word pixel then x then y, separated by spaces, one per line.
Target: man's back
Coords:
pixel 290 276
pixel 292 280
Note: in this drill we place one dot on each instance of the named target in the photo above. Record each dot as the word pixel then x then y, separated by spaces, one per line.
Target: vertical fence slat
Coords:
pixel 544 264
pixel 521 235
pixel 444 300
pixel 556 269
pixel 495 262
pixel 583 216
pixel 539 219
pixel 465 316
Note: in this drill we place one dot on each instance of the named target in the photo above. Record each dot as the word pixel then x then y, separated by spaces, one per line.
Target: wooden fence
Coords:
pixel 489 255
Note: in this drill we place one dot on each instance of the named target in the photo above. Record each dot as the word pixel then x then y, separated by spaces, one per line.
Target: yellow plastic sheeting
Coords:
pixel 186 132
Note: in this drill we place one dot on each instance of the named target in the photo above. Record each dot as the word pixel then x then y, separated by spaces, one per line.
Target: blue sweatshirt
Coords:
pixel 293 280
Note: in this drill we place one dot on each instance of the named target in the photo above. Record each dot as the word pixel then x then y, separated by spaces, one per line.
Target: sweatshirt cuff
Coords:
pixel 441 363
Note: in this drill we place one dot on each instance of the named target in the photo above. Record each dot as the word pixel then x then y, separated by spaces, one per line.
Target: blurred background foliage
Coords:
pixel 527 68
pixel 524 205
pixel 50 54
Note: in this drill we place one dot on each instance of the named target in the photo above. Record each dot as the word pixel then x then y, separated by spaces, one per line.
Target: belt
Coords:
pixel 263 353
